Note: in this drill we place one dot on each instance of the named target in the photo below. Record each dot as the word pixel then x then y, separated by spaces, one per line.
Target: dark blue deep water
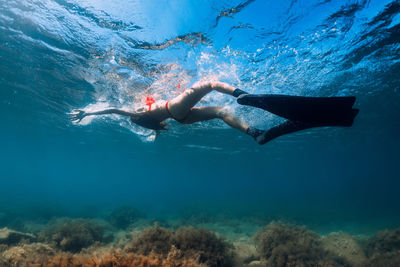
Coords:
pixel 57 55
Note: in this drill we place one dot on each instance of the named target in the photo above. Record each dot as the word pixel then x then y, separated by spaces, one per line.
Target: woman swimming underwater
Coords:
pixel 301 112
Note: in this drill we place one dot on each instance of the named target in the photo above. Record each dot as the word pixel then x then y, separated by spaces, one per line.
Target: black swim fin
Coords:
pixel 314 111
pixel 282 129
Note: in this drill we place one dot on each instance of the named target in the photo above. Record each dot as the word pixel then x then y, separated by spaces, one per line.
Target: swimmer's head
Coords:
pixel 140 110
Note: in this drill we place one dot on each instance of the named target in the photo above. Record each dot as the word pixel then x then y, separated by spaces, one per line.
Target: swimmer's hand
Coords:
pixel 158 132
pixel 77 115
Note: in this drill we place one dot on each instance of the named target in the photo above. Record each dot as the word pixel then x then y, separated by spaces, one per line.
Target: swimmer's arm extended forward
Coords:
pixel 77 114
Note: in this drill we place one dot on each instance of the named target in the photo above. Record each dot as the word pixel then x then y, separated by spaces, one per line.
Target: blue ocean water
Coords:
pixel 58 55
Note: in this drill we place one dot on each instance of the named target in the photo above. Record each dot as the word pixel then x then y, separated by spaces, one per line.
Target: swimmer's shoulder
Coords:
pixel 159 104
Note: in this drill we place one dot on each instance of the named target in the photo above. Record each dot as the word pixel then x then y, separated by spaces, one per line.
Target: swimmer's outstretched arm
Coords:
pixel 77 114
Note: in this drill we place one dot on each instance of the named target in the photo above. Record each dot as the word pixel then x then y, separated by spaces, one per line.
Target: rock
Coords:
pixel 245 251
pixel 257 264
pixel 25 254
pixel 14 254
pixel 3 248
pixel 345 246
pixel 10 237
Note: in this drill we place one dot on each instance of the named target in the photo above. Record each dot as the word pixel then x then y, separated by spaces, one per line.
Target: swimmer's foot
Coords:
pixel 239 92
pixel 255 133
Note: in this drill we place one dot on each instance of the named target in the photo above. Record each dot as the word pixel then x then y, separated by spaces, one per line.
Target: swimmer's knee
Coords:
pixel 188 91
pixel 203 86
pixel 222 112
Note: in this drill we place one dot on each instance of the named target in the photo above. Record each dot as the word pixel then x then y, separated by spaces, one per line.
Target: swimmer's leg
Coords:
pixel 226 88
pixel 261 136
pixel 181 105
pixel 209 113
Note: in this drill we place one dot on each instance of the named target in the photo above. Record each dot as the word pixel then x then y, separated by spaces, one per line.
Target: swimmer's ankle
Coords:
pixel 237 92
pixel 255 133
